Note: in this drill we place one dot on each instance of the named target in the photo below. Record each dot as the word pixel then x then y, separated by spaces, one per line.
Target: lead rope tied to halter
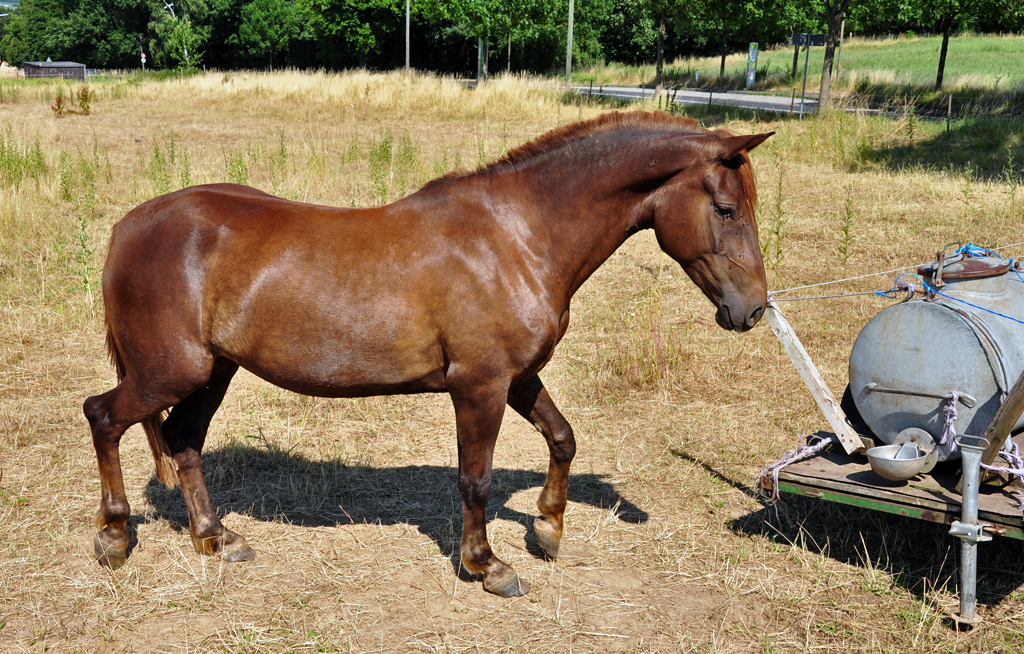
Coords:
pixel 789 457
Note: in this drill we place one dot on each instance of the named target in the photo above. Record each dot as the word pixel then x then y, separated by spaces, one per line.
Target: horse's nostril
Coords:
pixel 755 315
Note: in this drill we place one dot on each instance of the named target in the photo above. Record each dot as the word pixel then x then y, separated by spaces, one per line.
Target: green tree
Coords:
pixel 13 46
pixel 714 21
pixel 179 32
pixel 835 10
pixel 948 16
pixel 268 27
pixel 349 28
pixel 41 20
pixel 102 33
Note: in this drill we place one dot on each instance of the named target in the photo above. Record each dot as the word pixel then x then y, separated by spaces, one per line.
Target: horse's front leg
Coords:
pixel 531 400
pixel 478 413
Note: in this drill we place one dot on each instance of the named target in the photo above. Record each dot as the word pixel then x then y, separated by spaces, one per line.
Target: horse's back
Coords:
pixel 328 301
pixel 312 298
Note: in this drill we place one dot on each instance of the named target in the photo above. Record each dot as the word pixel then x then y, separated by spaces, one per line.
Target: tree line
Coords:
pixel 520 35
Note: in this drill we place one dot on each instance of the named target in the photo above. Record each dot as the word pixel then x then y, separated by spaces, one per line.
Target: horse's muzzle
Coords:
pixel 735 320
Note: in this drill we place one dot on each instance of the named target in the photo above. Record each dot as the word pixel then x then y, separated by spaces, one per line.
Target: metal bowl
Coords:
pixel 884 462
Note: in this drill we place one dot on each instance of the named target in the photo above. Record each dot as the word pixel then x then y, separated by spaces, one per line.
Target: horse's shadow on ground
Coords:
pixel 276 485
pixel 918 556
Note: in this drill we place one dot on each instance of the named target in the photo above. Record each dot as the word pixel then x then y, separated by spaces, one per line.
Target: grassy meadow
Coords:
pixel 983 69
pixel 351 505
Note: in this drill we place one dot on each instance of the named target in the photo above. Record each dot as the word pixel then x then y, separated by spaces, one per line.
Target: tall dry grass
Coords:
pixel 351 504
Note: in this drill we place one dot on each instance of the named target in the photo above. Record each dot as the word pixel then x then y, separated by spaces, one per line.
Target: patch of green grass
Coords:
pixel 983 73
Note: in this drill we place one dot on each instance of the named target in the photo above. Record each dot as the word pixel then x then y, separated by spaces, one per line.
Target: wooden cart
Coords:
pixel 848 479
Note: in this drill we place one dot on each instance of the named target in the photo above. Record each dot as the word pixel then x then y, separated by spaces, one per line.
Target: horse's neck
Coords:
pixel 598 205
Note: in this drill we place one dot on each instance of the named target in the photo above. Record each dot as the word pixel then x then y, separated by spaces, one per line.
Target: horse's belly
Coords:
pixel 341 371
pixel 343 357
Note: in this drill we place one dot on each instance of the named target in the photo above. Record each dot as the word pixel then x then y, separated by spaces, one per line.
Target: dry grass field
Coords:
pixel 351 505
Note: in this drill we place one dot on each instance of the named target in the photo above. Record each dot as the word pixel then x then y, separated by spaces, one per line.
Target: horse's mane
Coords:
pixel 587 128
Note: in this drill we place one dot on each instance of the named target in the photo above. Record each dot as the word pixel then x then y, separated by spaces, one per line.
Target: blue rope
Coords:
pixel 973 305
pixel 973 250
pixel 892 294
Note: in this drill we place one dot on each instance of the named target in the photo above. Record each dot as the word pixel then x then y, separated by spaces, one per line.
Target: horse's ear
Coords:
pixel 731 146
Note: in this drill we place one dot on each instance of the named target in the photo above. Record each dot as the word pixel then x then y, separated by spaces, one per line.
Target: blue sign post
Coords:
pixel 751 65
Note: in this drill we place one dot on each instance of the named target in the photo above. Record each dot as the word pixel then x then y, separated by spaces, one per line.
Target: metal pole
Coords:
pixel 568 49
pixel 968 530
pixel 479 61
pixel 406 36
pixel 949 111
pixel 839 59
pixel 803 91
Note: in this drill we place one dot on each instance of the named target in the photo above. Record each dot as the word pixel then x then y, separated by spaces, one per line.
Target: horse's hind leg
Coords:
pixel 109 415
pixel 185 432
pixel 531 400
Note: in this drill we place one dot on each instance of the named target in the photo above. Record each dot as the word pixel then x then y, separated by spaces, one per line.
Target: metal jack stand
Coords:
pixel 969 530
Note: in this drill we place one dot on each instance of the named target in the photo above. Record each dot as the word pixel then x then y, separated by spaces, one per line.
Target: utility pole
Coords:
pixel 803 92
pixel 481 61
pixel 406 37
pixel 568 49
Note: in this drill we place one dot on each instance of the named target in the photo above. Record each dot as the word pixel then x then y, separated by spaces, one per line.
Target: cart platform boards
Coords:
pixel 848 479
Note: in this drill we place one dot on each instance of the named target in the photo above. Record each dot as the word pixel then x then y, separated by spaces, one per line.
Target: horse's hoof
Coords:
pixel 546 538
pixel 239 554
pixel 112 556
pixel 511 586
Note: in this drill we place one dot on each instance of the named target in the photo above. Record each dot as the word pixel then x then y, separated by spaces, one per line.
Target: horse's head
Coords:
pixel 704 219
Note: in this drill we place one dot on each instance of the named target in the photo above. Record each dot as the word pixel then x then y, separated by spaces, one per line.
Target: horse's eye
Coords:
pixel 724 212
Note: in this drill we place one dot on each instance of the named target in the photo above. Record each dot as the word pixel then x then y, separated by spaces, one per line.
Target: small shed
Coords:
pixel 61 69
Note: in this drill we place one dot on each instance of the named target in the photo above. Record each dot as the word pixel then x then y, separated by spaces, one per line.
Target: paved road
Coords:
pixel 741 99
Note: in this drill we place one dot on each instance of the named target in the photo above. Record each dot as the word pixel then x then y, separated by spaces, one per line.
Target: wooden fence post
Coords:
pixel 812 379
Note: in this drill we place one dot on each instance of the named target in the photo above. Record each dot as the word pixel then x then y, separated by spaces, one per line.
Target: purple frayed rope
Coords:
pixel 949 430
pixel 902 285
pixel 789 457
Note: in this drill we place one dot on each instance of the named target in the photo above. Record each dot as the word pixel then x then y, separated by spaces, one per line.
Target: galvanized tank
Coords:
pixel 911 355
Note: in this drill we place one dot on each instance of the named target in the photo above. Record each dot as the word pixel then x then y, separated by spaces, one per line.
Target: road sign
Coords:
pixel 806 39
pixel 802 39
pixel 751 65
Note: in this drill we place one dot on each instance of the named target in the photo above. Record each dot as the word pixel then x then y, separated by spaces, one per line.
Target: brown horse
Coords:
pixel 462 287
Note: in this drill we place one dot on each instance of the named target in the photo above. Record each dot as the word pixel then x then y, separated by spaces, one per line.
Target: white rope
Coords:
pixel 789 457
pixel 848 279
pixel 874 274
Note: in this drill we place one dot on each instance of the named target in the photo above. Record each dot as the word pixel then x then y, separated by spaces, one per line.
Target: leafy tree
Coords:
pixel 102 33
pixel 631 34
pixel 179 32
pixel 41 19
pixel 13 46
pixel 948 16
pixel 346 29
pixel 713 21
pixel 267 28
pixel 834 12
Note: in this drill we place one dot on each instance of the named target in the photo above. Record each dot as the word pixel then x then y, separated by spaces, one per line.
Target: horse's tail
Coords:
pixel 166 469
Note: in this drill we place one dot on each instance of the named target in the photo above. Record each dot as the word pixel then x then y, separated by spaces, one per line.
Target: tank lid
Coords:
pixel 964 266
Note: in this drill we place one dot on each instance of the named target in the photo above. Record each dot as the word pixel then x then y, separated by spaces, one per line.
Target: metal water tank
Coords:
pixel 910 356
